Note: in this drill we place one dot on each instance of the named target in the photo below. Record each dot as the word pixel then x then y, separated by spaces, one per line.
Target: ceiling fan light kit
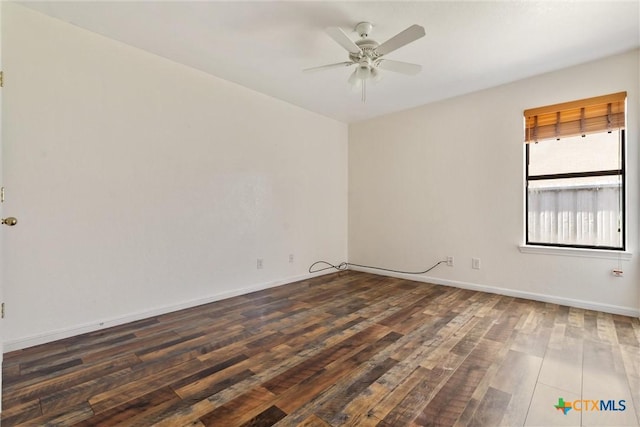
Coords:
pixel 367 54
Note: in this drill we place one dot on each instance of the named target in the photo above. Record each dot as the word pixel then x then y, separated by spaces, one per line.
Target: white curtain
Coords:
pixel 575 216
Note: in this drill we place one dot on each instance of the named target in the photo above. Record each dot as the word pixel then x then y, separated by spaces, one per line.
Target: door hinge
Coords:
pixel 2 311
pixel 1 78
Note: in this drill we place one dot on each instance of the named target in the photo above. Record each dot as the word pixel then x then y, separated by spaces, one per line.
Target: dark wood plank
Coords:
pixel 266 418
pixel 193 404
pixel 21 413
pixel 240 410
pixel 71 415
pixel 51 384
pixel 52 403
pixel 306 369
pixel 116 396
pixel 314 421
pixel 122 414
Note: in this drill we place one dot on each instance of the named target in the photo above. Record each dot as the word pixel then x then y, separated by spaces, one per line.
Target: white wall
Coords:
pixel 142 185
pixel 447 179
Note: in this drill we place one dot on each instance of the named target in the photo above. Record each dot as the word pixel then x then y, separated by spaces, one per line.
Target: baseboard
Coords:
pixel 571 302
pixel 45 337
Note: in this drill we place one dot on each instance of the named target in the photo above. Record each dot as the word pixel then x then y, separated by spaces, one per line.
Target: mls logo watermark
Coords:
pixel 590 405
pixel 563 406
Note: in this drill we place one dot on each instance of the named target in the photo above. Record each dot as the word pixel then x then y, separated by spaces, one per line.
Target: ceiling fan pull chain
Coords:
pixel 364 91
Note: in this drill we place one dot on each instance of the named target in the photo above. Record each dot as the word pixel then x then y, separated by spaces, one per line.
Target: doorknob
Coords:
pixel 10 221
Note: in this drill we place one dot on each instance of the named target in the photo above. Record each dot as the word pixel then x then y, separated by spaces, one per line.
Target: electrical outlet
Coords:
pixel 475 263
pixel 259 264
pixel 290 258
pixel 450 261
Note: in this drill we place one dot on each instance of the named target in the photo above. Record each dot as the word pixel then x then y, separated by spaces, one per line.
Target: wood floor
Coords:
pixel 348 348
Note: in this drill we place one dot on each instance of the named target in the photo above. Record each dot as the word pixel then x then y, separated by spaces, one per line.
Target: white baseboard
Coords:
pixel 59 334
pixel 571 302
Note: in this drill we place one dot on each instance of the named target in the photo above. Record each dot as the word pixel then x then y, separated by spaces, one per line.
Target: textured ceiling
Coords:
pixel 264 46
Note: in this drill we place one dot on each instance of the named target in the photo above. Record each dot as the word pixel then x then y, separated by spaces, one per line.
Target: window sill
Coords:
pixel 577 252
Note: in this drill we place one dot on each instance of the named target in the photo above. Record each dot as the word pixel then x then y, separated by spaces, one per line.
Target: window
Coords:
pixel 575 174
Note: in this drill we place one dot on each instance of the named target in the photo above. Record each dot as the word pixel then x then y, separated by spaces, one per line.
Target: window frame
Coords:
pixel 623 206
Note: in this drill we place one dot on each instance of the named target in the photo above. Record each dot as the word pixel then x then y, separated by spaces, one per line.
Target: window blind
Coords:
pixel 582 117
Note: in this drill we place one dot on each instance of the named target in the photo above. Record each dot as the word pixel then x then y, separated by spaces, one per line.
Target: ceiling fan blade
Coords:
pixel 399 67
pixel 343 39
pixel 412 33
pixel 324 67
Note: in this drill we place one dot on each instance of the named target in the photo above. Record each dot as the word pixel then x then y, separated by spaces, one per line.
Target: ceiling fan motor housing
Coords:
pixel 366 59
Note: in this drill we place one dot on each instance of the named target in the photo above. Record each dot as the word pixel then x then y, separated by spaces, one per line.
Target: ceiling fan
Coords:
pixel 368 54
